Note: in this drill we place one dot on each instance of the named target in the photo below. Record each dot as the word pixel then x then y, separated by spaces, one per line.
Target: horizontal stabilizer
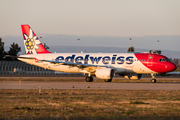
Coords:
pixel 19 57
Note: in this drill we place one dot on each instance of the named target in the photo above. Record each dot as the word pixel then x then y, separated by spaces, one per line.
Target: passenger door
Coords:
pixel 150 60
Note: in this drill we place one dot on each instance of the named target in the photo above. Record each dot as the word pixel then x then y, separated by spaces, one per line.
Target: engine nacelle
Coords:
pixel 133 77
pixel 105 73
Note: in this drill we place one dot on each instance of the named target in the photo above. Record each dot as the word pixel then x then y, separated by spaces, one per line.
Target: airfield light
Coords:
pixel 77 44
pixel 130 44
pixel 157 44
pixel 40 38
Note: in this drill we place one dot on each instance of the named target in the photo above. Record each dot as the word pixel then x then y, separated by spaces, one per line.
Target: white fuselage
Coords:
pixel 123 63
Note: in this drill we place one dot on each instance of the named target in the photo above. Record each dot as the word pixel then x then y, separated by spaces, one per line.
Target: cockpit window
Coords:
pixel 168 60
pixel 163 60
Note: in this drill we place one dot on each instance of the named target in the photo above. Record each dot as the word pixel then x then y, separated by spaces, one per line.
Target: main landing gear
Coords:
pixel 153 78
pixel 89 79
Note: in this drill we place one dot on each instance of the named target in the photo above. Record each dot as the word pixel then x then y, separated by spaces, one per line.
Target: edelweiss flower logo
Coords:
pixel 150 57
pixel 31 43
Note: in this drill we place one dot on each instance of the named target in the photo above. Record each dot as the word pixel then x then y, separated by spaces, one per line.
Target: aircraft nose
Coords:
pixel 171 67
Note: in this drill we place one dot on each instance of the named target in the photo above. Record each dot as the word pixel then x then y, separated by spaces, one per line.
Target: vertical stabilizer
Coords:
pixel 31 42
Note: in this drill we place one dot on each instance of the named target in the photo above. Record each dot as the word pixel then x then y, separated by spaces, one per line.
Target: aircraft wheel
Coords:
pixel 108 80
pixel 89 79
pixel 153 80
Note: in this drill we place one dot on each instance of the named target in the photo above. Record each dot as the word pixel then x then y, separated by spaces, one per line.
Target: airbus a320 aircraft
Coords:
pixel 101 65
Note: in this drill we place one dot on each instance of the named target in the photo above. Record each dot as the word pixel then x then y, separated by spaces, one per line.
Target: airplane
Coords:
pixel 102 65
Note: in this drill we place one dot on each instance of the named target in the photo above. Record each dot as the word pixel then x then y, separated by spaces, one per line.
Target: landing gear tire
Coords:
pixel 89 79
pixel 153 80
pixel 108 80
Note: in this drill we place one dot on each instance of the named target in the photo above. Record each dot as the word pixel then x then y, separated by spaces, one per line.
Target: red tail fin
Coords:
pixel 31 42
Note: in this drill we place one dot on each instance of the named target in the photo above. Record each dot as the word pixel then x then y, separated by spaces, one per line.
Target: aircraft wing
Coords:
pixel 59 62
pixel 87 67
pixel 73 64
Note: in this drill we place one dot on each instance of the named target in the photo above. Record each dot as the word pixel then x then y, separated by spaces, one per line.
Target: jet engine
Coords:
pixel 105 73
pixel 133 77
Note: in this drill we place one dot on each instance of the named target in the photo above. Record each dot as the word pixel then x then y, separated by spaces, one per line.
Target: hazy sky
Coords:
pixel 96 22
pixel 91 17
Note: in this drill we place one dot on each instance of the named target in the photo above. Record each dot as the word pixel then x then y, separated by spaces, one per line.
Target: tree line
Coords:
pixel 14 49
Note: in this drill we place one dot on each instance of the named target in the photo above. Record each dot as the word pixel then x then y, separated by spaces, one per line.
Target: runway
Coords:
pixel 87 85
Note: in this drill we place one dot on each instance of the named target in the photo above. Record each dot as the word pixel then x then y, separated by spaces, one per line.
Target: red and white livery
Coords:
pixel 101 65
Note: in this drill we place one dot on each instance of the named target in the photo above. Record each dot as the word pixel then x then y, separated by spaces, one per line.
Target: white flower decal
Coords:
pixel 31 43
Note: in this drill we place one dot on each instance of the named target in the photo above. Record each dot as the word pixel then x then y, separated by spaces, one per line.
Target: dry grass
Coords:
pixel 90 104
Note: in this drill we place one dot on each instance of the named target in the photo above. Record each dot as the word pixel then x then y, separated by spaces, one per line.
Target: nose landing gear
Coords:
pixel 153 78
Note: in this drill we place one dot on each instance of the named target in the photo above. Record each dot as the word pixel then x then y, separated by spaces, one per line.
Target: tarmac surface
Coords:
pixel 88 85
